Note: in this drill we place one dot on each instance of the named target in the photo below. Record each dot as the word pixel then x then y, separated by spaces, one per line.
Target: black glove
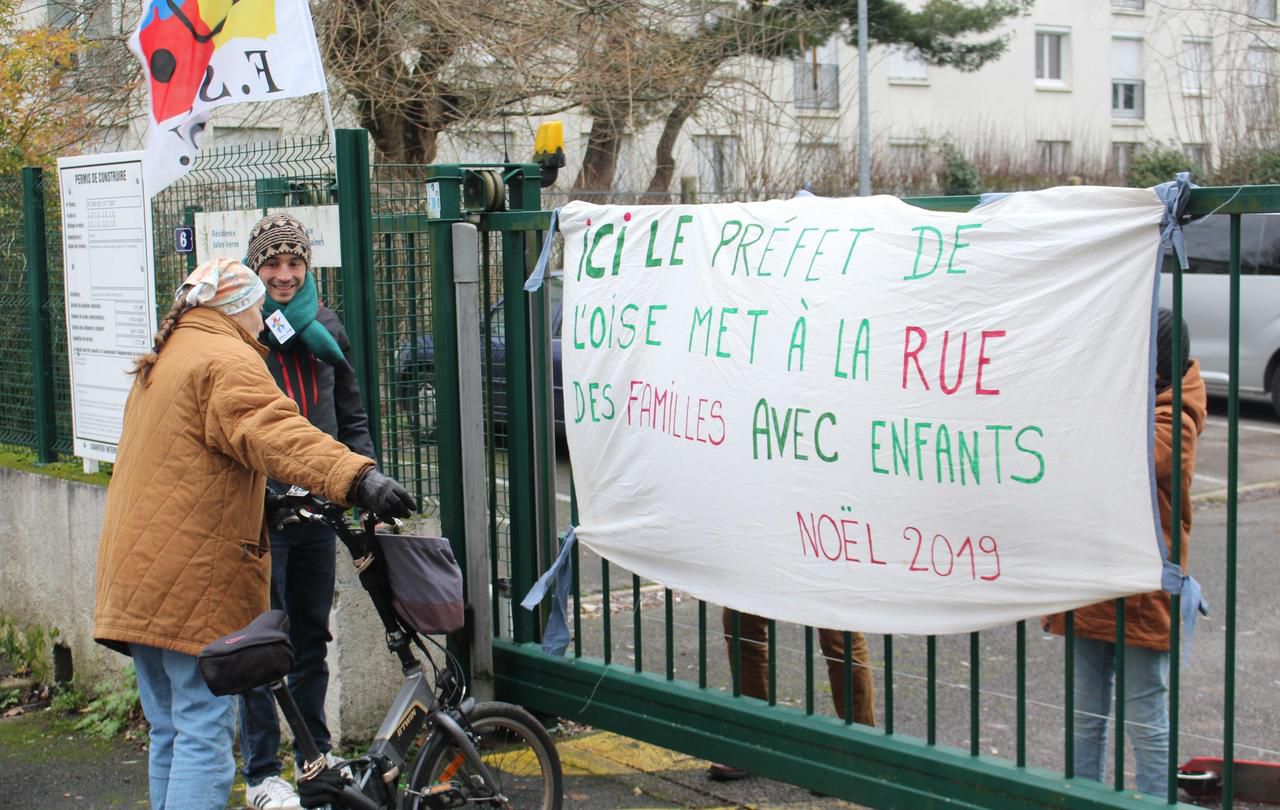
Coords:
pixel 276 510
pixel 323 790
pixel 383 495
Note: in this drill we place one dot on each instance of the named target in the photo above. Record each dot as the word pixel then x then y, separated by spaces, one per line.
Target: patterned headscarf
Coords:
pixel 222 284
pixel 275 234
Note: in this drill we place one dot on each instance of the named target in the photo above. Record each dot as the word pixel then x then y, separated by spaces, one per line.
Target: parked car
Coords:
pixel 1206 301
pixel 413 372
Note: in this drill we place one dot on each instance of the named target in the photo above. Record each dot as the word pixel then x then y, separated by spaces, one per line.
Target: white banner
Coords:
pixel 199 55
pixel 861 415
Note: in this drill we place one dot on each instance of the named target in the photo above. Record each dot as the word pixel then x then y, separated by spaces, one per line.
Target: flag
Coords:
pixel 199 55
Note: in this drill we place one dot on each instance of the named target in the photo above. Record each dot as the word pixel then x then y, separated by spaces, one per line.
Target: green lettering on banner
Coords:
pixel 649 259
pixel 808 273
pixel 915 269
pixel 956 245
pixel 743 244
pixel 875 447
pixel 723 328
pixel 681 221
pixel 649 324
pixel 786 273
pixel 593 270
pixel 724 240
pixel 857 234
pixel 701 319
pixel 1017 441
pixel 768 248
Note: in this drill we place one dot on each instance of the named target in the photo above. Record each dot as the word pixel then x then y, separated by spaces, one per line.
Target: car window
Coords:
pixel 555 292
pixel 1208 244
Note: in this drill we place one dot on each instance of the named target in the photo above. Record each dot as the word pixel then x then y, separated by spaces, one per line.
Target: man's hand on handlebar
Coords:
pixel 382 495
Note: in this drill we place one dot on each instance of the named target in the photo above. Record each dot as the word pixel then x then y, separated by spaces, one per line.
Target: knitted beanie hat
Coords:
pixel 275 234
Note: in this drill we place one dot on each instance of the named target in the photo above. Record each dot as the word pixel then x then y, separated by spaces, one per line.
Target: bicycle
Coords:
pixel 486 754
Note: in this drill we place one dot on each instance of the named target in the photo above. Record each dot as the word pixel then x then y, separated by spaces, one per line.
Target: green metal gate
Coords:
pixel 644 662
pixel 656 672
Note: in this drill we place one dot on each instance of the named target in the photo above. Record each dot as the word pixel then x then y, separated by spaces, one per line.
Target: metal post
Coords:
pixel 355 226
pixel 466 284
pixel 447 182
pixel 864 106
pixel 37 312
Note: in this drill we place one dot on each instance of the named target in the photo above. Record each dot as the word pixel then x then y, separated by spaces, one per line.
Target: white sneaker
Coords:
pixel 272 793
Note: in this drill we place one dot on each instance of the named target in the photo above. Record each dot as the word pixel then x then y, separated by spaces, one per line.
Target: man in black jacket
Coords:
pixel 308 358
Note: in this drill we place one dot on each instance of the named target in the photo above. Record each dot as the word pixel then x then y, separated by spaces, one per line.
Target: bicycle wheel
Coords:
pixel 516 750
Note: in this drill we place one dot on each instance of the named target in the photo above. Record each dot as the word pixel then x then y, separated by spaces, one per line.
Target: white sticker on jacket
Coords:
pixel 280 326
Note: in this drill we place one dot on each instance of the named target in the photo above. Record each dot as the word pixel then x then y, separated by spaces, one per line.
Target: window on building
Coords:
pixel 1260 80
pixel 1198 155
pixel 1051 54
pixel 820 168
pixel 717 163
pixel 817 85
pixel 1122 158
pixel 1262 9
pixel 1128 5
pixel 1054 155
pixel 1126 78
pixel 906 64
pixel 1197 55
pixel 61 13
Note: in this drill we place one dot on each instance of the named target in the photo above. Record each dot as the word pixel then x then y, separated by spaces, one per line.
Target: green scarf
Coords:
pixel 300 312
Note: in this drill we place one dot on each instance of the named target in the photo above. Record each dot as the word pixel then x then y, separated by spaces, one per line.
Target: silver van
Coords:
pixel 1206 298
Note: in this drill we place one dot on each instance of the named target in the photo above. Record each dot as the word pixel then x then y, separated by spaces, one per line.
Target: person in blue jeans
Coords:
pixel 1147 616
pixel 182 558
pixel 307 355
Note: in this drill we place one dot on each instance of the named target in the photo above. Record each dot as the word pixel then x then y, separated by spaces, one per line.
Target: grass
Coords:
pixel 16 458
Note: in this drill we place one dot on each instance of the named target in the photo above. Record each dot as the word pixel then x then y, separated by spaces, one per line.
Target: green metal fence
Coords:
pixel 983 720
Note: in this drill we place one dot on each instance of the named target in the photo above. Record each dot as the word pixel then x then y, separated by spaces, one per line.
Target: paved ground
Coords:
pixel 46 763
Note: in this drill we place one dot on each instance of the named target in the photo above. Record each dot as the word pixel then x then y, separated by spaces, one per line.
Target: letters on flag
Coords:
pixel 202 54
pixel 858 414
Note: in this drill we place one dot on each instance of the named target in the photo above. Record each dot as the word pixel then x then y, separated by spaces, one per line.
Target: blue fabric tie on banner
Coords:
pixel 555 636
pixel 1175 194
pixel 534 282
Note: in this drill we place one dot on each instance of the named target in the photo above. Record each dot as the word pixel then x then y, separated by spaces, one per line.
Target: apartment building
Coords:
pixel 1083 85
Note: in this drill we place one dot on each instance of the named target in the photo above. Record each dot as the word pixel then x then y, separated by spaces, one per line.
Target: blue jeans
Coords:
pixel 190 765
pixel 302 572
pixel 1146 711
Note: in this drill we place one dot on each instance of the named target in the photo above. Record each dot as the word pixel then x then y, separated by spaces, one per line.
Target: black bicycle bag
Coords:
pixel 254 656
pixel 425 582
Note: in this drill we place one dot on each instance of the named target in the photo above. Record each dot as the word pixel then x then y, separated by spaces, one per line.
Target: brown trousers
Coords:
pixel 754 680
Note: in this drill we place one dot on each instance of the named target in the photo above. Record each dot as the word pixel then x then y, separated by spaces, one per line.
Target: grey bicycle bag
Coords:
pixel 253 656
pixel 425 582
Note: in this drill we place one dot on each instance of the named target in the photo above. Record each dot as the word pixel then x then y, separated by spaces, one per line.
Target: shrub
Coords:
pixel 959 176
pixel 1159 164
pixel 1259 164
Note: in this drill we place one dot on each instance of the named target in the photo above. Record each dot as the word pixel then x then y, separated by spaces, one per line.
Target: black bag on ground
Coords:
pixel 425 580
pixel 254 656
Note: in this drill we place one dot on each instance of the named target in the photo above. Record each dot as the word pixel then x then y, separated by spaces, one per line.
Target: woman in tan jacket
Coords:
pixel 183 555
pixel 1146 616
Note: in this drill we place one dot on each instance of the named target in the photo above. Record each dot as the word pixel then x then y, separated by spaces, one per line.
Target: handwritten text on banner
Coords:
pixel 858 414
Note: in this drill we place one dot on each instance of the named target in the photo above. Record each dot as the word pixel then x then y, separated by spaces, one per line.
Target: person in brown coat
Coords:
pixel 183 556
pixel 753 632
pixel 1146 616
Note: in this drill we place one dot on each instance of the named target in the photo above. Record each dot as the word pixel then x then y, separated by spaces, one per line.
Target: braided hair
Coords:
pixel 142 366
